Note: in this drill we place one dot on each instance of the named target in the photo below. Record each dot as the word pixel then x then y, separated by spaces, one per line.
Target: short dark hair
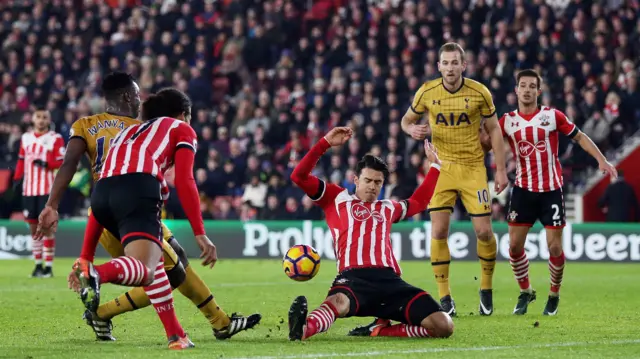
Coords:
pixel 451 47
pixel 529 73
pixel 115 83
pixel 373 162
pixel 168 102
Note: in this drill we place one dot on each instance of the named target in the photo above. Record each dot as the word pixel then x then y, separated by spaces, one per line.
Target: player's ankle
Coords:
pixel 554 294
pixel 310 329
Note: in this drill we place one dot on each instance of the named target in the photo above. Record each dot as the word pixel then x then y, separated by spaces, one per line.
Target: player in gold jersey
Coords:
pixel 93 135
pixel 457 107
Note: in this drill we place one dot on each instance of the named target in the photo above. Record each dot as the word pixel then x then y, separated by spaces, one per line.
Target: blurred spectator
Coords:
pixel 619 202
pixel 255 192
pixel 225 211
pixel 497 211
pixel 309 210
pixel 269 78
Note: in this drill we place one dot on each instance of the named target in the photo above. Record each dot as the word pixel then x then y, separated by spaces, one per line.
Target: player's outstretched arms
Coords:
pixel 190 200
pixel 301 174
pixel 48 219
pixel 420 199
pixel 587 144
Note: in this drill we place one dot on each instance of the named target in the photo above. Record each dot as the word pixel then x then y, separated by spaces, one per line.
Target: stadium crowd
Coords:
pixel 268 78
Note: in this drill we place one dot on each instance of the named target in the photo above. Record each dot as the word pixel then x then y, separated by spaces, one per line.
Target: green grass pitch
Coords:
pixel 598 316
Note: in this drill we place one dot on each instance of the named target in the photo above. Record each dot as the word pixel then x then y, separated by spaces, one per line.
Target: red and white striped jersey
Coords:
pixel 49 148
pixel 361 230
pixel 149 147
pixel 534 141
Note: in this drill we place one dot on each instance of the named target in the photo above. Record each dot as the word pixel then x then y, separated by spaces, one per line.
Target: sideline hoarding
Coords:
pixel 410 240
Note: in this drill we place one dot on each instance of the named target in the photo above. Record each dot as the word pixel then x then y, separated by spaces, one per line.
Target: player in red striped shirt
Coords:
pixel 532 133
pixel 368 281
pixel 127 201
pixel 41 153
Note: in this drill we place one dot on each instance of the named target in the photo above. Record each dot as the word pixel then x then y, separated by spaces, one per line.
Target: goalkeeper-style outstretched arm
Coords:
pixel 301 175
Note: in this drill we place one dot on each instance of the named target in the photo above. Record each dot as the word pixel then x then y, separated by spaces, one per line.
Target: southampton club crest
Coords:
pixel 512 216
pixel 544 120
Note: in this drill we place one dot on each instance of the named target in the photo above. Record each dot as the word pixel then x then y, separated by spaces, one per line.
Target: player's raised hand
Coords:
pixel 431 152
pixel 339 135
pixel 419 132
pixel 607 168
pixel 47 223
pixel 209 252
pixel 501 182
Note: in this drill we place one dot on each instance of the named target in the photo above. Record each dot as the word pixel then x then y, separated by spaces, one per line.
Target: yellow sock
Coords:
pixel 487 255
pixel 134 299
pixel 440 260
pixel 197 291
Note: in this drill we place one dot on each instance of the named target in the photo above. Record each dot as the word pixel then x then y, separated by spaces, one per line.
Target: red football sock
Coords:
pixel 123 270
pixel 404 330
pixel 91 237
pixel 36 249
pixel 159 293
pixel 49 245
pixel 320 320
pixel 556 269
pixel 520 266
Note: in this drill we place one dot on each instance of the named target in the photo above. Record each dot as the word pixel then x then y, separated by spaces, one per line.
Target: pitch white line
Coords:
pixel 441 350
pixel 36 287
pixel 253 284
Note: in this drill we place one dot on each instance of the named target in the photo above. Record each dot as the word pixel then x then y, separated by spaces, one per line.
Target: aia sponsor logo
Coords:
pixel 360 212
pixel 526 148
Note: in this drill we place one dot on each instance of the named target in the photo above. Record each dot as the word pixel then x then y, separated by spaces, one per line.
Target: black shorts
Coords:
pixel 526 207
pixel 129 207
pixel 380 292
pixel 32 206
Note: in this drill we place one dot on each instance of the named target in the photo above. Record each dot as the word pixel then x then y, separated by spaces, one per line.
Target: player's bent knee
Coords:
pixel 439 325
pixel 341 302
pixel 179 251
pixel 176 275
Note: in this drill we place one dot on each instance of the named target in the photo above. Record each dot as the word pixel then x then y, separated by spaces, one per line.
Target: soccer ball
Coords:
pixel 301 262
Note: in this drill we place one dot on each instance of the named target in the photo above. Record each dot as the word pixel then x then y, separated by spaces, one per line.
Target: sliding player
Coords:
pixel 368 282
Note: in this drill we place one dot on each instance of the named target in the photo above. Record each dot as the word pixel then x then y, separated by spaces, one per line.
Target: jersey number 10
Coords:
pixel 483 196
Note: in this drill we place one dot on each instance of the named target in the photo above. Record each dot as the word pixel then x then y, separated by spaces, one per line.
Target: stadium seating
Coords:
pixel 263 70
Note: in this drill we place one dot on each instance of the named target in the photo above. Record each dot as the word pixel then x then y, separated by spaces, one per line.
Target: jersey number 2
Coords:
pixel 556 210
pixel 100 150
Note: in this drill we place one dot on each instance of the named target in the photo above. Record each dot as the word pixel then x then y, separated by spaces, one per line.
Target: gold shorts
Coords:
pixel 469 182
